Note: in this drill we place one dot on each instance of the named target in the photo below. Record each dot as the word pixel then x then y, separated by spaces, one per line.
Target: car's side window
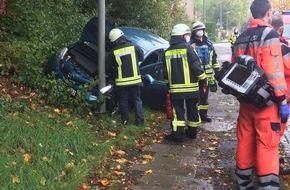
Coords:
pixel 151 59
pixel 153 65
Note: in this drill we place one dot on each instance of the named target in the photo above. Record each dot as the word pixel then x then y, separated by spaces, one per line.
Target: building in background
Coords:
pixel 189 8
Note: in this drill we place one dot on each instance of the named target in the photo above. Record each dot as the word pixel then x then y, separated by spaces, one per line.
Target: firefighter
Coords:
pixel 122 66
pixel 233 38
pixel 182 72
pixel 258 129
pixel 210 65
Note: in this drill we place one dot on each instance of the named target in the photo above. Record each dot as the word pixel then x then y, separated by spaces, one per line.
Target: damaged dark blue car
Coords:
pixel 78 62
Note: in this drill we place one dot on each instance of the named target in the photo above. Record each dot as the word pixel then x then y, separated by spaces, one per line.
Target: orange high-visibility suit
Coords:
pixel 286 61
pixel 258 129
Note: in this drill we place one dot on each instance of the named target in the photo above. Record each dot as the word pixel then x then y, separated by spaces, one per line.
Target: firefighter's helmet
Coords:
pixel 180 29
pixel 197 26
pixel 115 34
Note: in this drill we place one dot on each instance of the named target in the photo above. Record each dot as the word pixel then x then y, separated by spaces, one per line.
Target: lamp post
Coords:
pixel 101 49
pixel 218 25
pixel 228 19
pixel 203 6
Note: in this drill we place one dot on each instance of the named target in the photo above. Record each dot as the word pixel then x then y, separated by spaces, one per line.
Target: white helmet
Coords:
pixel 115 34
pixel 197 26
pixel 180 29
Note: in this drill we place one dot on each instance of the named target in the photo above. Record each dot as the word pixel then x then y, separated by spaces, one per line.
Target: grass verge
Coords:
pixel 44 148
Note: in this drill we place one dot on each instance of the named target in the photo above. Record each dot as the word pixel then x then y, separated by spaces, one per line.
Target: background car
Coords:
pixel 78 62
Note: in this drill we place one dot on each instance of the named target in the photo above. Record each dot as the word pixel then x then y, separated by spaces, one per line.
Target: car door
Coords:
pixel 153 93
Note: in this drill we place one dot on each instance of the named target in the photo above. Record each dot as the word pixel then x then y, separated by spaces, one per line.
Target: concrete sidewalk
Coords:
pixel 207 162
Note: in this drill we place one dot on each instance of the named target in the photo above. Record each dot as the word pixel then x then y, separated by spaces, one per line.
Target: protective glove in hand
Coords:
pixel 212 86
pixel 284 112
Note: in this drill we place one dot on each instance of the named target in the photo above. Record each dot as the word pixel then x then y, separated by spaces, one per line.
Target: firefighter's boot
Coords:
pixel 204 117
pixel 176 136
pixel 191 132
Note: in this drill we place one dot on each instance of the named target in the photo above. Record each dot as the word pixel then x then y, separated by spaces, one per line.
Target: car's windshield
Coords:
pixel 286 33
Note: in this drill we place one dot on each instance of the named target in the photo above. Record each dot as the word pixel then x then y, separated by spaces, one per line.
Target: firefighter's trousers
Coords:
pixel 203 101
pixel 258 133
pixel 185 114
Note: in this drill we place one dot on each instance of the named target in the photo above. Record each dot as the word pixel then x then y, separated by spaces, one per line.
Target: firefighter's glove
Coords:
pixel 284 112
pixel 212 86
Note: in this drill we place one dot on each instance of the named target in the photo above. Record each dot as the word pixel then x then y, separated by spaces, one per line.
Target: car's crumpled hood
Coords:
pixel 90 31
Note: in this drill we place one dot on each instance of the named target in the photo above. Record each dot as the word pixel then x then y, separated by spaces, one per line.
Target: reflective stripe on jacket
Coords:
pixel 182 83
pixel 233 38
pixel 182 69
pixel 127 66
pixel 262 43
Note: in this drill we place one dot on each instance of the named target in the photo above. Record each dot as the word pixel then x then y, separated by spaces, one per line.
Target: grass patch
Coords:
pixel 52 149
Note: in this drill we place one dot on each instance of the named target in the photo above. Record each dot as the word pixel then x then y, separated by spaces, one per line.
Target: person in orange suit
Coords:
pixel 278 25
pixel 258 130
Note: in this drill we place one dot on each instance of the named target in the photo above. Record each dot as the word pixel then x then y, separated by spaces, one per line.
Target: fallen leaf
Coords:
pixel 43 181
pixel 118 173
pixel 15 179
pixel 83 187
pixel 149 172
pixel 122 161
pixel 118 167
pixel 27 158
pixel 112 134
pixel 119 153
pixel 32 106
pixel 70 123
pixel 211 148
pixel 147 157
pixel 57 111
pixel 69 166
pixel 212 155
pixel 105 182
pixel 144 162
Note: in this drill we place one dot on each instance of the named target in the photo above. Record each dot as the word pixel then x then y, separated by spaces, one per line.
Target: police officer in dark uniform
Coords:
pixel 182 73
pixel 122 66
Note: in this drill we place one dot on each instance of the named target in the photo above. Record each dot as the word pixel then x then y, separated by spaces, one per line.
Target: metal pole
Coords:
pixel 101 49
pixel 203 5
pixel 228 20
pixel 221 15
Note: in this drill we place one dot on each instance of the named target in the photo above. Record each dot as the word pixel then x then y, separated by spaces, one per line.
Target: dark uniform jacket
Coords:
pixel 122 63
pixel 182 69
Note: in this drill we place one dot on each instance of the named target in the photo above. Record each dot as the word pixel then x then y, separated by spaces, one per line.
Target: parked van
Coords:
pixel 286 20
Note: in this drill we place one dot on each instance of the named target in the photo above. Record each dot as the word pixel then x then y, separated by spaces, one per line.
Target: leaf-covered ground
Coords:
pixel 113 172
